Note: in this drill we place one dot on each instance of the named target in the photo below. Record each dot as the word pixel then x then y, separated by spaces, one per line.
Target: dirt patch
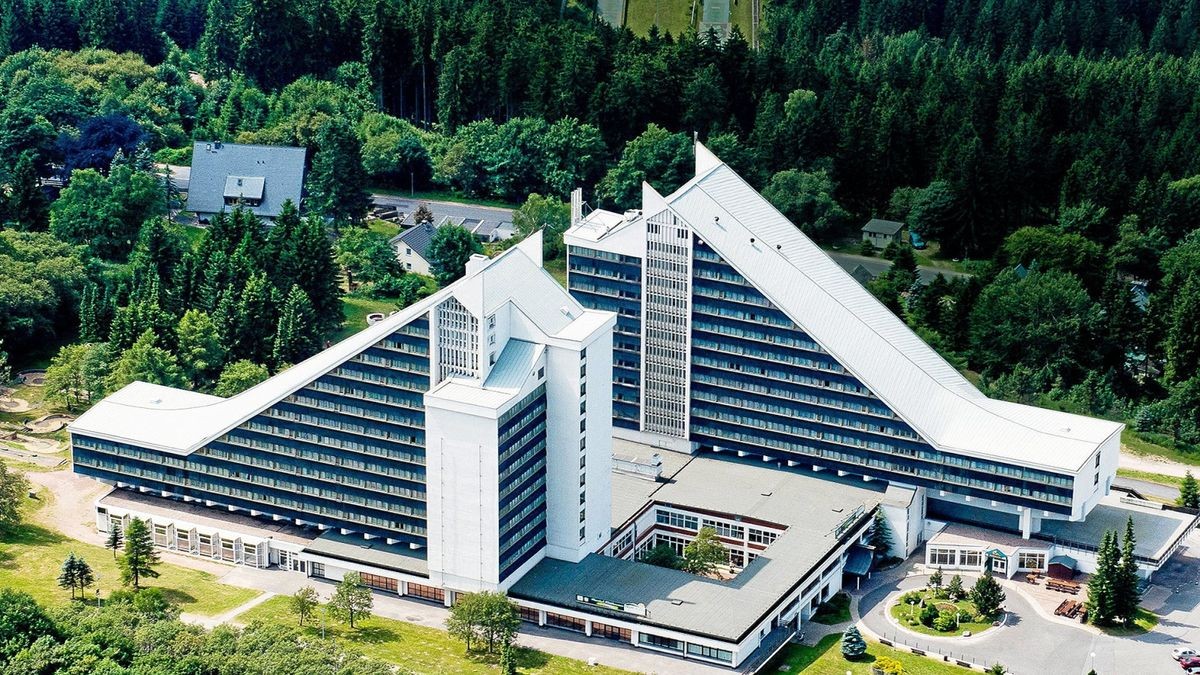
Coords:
pixel 33 378
pixel 14 405
pixel 48 423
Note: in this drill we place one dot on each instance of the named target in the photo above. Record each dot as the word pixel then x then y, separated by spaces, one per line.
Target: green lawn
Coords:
pixel 671 16
pixel 192 234
pixel 1151 444
pixel 420 649
pixel 31 554
pixel 834 611
pixel 826 659
pixel 905 613
pixel 1142 624
pixel 1160 478
pixel 355 311
pixel 383 227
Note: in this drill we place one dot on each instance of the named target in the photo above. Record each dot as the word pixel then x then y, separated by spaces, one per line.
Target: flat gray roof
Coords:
pixel 1155 530
pixel 629 492
pixel 374 552
pixel 810 508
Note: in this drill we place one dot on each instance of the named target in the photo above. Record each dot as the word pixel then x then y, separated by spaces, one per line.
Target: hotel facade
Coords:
pixel 709 367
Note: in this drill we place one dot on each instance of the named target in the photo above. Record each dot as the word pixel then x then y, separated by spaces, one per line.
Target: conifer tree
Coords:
pixel 337 181
pixel 1101 600
pixel 67 574
pixel 140 556
pixel 26 205
pixel 853 644
pixel 987 595
pixel 293 335
pixel 881 534
pixel 115 541
pixel 1126 591
pixel 1189 493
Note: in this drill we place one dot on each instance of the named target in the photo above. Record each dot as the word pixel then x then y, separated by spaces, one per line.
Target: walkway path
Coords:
pixel 226 617
pixel 1154 464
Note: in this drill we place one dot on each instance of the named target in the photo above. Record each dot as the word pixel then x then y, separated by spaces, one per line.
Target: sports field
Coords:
pixel 677 16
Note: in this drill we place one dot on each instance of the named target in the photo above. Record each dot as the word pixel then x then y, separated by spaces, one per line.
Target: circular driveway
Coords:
pixel 1032 644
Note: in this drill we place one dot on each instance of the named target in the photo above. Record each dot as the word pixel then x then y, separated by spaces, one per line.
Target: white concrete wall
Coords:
pixel 1086 493
pixel 462 486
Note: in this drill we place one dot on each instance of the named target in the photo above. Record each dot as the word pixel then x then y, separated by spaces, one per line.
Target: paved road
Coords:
pixel 1033 644
pixel 1148 489
pixel 877 266
pixel 440 208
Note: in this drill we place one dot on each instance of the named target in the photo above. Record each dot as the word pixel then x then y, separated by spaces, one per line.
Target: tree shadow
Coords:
pixel 28 534
pixel 531 658
pixel 373 635
pixel 178 597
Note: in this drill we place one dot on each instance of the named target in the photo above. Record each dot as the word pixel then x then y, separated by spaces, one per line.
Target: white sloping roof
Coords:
pixel 871 342
pixel 189 421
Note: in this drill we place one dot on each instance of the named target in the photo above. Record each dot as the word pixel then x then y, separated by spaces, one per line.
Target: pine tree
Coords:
pixel 1189 493
pixel 27 206
pixel 318 273
pixel 881 535
pixel 1126 591
pixel 987 595
pixel 337 181
pixel 115 541
pixel 293 335
pixel 140 556
pixel 935 579
pixel 955 588
pixel 853 644
pixel 1101 599
pixel 67 576
pixel 89 316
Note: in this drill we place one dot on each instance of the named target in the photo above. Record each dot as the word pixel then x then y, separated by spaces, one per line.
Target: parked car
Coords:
pixel 1183 653
pixel 1189 662
pixel 1194 670
pixel 916 240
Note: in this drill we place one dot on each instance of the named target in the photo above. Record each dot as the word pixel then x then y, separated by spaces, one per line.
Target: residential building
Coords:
pixel 258 177
pixel 412 247
pixel 880 233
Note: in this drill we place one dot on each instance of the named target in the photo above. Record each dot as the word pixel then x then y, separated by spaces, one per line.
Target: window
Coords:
pixel 426 592
pixel 676 520
pixel 1097 460
pixel 942 557
pixel 710 653
pixel 764 537
pixel 610 632
pixel 565 622
pixel 971 558
pixel 408 251
pixel 541 372
pixel 530 614
pixel 726 530
pixel 1031 561
pixel 379 582
pixel 660 642
pixel 316 569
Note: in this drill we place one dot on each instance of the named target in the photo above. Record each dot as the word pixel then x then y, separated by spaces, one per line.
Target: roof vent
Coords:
pixel 751 240
pixel 676 602
pixel 778 247
pixel 766 494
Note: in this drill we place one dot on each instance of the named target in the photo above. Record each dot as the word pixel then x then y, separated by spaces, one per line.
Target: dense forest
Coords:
pixel 1051 142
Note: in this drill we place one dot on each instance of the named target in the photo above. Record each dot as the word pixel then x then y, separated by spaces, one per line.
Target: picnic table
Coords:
pixel 1063 586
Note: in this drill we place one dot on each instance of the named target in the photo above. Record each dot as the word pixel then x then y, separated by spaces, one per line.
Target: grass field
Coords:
pixel 826 659
pixel 557 269
pixel 355 311
pixel 1160 478
pixel 833 611
pixel 31 554
pixel 420 649
pixel 1144 623
pixel 903 613
pixel 1141 444
pixel 383 227
pixel 671 16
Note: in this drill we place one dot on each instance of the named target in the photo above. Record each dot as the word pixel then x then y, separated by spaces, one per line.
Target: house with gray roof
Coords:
pixel 259 177
pixel 412 245
pixel 881 232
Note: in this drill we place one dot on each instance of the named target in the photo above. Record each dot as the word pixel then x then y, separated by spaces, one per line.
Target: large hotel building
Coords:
pixel 709 367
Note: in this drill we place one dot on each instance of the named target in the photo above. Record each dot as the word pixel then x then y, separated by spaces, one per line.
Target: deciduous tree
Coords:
pixel 351 600
pixel 452 246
